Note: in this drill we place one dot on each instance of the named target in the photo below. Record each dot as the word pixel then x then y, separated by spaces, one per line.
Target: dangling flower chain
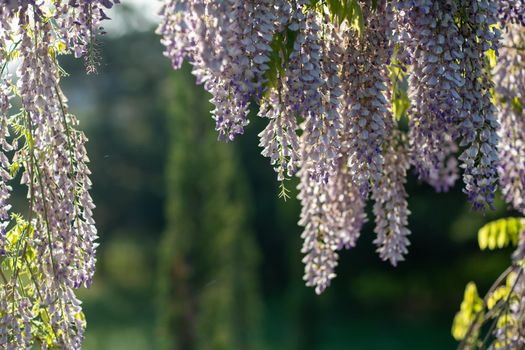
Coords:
pixel 50 251
pixel 331 77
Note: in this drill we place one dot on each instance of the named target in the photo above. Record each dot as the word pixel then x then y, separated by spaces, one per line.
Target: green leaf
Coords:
pixel 500 233
pixel 470 311
pixel 500 293
pixel 492 58
pixel 284 192
pixel 344 10
pixel 282 46
pixel 13 168
pixel 399 81
pixel 517 105
pixel 357 20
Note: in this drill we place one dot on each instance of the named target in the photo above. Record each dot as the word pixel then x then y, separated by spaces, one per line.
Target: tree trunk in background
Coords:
pixel 208 295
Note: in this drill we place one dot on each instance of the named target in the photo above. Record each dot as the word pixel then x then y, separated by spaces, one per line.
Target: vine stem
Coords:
pixel 485 300
pixel 505 307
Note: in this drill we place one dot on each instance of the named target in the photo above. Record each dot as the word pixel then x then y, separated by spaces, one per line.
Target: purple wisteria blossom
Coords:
pixel 432 39
pixel 279 139
pixel 511 11
pixel 5 106
pixel 364 87
pixel 320 101
pixel 54 247
pixel 510 89
pixel 477 123
pixel 78 24
pixel 390 197
pixel 321 76
pixel 332 215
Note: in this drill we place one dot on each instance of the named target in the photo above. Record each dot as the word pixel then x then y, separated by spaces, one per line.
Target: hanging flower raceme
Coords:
pixel 316 136
pixel 5 106
pixel 331 92
pixel 332 208
pixel 332 215
pixel 51 252
pixel 432 38
pixel 283 103
pixel 321 73
pixel 510 89
pixel 477 117
pixel 177 29
pixel 319 242
pixel 279 139
pixel 364 90
pixel 391 207
pixel 233 88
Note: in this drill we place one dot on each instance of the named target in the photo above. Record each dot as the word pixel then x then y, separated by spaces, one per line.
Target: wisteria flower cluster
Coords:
pixel 331 76
pixel 510 87
pixel 50 252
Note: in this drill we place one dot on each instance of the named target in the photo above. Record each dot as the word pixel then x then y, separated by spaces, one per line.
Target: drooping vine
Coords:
pixel 47 251
pixel 334 110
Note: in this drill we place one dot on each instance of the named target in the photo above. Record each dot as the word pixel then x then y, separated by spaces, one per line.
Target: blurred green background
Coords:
pixel 196 244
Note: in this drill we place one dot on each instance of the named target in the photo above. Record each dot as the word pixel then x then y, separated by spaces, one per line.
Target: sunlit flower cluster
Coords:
pixel 432 42
pixel 510 88
pixel 50 252
pixel 322 76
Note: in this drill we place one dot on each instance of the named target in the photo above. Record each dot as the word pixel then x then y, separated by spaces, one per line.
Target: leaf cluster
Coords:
pixel 478 320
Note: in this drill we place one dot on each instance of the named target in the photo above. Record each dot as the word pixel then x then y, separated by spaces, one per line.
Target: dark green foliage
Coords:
pixel 208 257
pixel 346 11
pixel 282 47
pixel 283 42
